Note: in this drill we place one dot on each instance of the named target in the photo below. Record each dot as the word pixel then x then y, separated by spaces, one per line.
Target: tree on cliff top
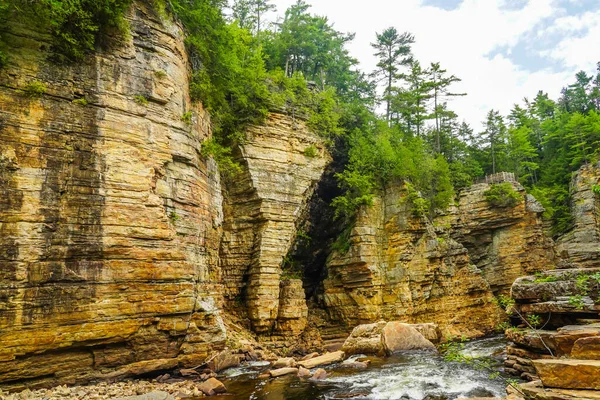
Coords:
pixel 393 50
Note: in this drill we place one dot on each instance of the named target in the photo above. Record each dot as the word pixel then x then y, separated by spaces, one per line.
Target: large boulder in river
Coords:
pixel 388 337
pixel 397 336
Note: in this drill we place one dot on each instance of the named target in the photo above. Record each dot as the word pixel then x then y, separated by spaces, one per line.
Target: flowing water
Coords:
pixel 404 376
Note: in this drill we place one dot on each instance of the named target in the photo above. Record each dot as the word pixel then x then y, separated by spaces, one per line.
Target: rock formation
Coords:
pixel 111 222
pixel 559 341
pixel 400 267
pixel 262 209
pixel 123 252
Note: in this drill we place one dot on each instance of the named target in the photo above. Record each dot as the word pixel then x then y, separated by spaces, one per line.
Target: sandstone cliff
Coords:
pixel 111 262
pixel 400 267
pixel 122 252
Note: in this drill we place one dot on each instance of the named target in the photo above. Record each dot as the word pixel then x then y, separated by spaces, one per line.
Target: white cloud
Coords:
pixel 463 39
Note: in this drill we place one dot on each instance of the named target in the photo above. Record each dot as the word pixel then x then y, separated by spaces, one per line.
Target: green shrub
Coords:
pixel 596 189
pixel 541 278
pixel 76 26
pixel 160 74
pixel 222 155
pixel 35 89
pixel 577 301
pixel 311 151
pixel 141 100
pixel 82 101
pixel 502 195
pixel 187 117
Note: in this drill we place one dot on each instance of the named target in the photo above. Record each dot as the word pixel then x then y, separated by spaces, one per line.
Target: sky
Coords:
pixel 503 50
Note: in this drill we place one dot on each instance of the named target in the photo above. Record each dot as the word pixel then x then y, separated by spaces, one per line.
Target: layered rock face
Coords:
pixel 503 242
pixel 403 268
pixel 565 354
pixel 579 247
pixel 109 218
pixel 263 206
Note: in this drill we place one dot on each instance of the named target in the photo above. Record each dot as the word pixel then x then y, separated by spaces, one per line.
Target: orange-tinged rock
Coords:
pixel 569 374
pixel 587 348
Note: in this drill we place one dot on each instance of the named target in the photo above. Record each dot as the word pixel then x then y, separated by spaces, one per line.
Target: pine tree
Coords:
pixel 393 50
pixel 440 84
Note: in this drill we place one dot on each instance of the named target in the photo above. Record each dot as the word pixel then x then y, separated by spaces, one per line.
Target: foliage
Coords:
pixel 343 243
pixel 187 117
pixel 77 26
pixel 222 156
pixel 35 89
pixel 534 320
pixel 160 74
pixel 141 100
pixel 596 189
pixel 81 101
pixel 577 302
pixel 502 195
pixel 311 151
pixel 541 278
pixel 505 302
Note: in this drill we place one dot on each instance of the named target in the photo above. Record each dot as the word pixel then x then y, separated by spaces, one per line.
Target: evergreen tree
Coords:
pixel 440 84
pixel 393 50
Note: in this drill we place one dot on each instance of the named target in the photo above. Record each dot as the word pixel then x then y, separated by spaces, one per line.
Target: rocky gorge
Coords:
pixel 124 253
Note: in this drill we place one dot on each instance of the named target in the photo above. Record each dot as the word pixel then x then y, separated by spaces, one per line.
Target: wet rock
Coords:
pixel 319 375
pixel 325 359
pixel 225 359
pixel 303 372
pixel 287 362
pixel 387 338
pixel 212 387
pixel 188 372
pixel 283 371
pixel 397 336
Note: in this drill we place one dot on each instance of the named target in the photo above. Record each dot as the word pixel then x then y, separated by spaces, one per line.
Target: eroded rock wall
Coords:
pixel 404 268
pixel 110 220
pixel 263 207
pixel 579 247
pixel 503 242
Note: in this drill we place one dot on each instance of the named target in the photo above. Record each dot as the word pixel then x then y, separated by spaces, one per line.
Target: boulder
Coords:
pixel 303 372
pixel 225 359
pixel 365 339
pixel 309 356
pixel 325 359
pixel 212 386
pixel 319 375
pixel 535 390
pixel 389 337
pixel 287 362
pixel 569 374
pixel 430 331
pixel 283 371
pixel 397 336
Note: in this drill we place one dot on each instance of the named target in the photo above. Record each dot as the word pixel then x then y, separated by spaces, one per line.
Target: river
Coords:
pixel 409 376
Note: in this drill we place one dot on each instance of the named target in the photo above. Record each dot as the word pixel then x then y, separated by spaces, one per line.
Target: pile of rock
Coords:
pixel 563 360
pixel 130 390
